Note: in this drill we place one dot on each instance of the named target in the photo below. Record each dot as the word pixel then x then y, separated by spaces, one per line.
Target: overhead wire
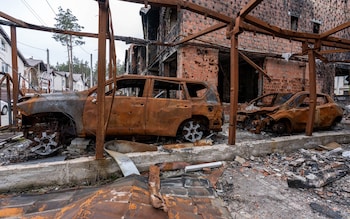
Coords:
pixel 31 46
pixel 34 13
pixel 51 7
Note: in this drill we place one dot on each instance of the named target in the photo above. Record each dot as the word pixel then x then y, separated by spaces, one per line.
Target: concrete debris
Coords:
pixel 202 142
pixel 325 210
pixel 317 169
pixel 240 160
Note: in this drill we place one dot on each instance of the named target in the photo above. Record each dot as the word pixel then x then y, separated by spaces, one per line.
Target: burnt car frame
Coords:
pixel 136 106
pixel 285 113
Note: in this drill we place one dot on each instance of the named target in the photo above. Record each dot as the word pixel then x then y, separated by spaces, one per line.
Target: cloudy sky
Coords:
pixel 126 22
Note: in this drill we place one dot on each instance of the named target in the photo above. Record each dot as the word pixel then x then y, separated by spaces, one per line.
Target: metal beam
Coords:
pixel 249 7
pixel 234 83
pixel 188 6
pixel 313 95
pixel 101 78
pixel 257 67
pixel 201 33
pixel 14 74
pixel 330 51
pixel 277 31
pixel 335 30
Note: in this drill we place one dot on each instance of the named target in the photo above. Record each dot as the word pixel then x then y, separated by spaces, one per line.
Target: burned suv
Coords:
pixel 135 106
pixel 284 113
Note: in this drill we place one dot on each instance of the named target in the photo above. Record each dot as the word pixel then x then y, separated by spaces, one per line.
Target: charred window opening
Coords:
pixel 168 90
pixel 196 90
pixel 304 101
pixel 172 17
pixel 316 27
pixel 170 66
pixel 3 45
pixel 274 99
pixel 128 87
pixel 250 80
pixel 294 23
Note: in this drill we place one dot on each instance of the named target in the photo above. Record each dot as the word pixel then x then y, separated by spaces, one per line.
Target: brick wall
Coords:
pixel 330 14
pixel 287 76
pixel 198 63
pixel 293 76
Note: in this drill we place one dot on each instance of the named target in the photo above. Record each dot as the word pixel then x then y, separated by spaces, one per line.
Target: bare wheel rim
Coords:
pixel 46 144
pixel 192 131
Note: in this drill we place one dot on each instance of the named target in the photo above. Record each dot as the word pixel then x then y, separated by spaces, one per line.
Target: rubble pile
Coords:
pixel 314 181
pixel 16 152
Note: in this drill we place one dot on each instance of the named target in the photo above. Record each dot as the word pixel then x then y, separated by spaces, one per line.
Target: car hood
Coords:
pixel 251 109
pixel 57 102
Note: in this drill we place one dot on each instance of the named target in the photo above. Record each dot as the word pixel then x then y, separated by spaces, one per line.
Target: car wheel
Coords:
pixel 46 143
pixel 4 110
pixel 192 131
pixel 281 127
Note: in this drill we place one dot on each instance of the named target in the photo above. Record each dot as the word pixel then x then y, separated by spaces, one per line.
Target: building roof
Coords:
pixel 76 76
pixel 7 38
pixel 35 62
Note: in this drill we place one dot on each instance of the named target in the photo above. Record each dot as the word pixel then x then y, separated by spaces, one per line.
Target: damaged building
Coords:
pixel 207 57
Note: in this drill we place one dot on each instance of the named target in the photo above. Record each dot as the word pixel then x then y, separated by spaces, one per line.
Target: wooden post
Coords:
pixel 101 77
pixel 313 95
pixel 14 75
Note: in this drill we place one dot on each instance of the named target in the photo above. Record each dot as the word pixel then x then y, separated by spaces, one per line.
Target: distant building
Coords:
pixel 33 76
pixel 60 81
pixel 6 55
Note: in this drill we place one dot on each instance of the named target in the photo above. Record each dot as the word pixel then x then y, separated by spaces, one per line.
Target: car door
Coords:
pixel 300 113
pixel 125 109
pixel 167 107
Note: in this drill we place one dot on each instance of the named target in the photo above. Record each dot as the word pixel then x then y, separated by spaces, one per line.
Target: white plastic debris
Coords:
pixel 196 167
pixel 346 154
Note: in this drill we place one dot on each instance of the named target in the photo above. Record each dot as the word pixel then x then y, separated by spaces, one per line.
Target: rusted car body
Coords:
pixel 284 113
pixel 137 105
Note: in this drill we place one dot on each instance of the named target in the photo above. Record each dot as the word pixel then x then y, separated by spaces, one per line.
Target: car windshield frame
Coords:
pixel 277 99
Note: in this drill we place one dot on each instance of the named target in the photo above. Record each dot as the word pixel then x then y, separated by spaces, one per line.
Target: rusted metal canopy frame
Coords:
pixel 101 77
pixel 264 28
pixel 14 73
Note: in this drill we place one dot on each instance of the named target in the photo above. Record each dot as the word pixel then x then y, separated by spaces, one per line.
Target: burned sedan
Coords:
pixel 136 106
pixel 284 113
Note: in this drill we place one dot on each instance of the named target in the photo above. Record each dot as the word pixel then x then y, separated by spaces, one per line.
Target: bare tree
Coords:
pixel 65 20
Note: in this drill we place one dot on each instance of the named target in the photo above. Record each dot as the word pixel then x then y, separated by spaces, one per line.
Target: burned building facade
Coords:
pixel 207 57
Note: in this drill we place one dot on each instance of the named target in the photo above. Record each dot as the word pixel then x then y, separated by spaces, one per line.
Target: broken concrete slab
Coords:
pixel 87 170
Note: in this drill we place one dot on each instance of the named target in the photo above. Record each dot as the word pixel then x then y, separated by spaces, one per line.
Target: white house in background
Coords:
pixel 6 55
pixel 32 77
pixel 60 81
pixel 341 85
pixel 79 83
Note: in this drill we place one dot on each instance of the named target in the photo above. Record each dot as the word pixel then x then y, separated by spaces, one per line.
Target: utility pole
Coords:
pixel 91 82
pixel 48 70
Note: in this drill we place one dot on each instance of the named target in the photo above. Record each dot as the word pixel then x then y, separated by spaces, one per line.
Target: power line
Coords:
pixel 51 7
pixel 34 13
pixel 84 50
pixel 31 46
